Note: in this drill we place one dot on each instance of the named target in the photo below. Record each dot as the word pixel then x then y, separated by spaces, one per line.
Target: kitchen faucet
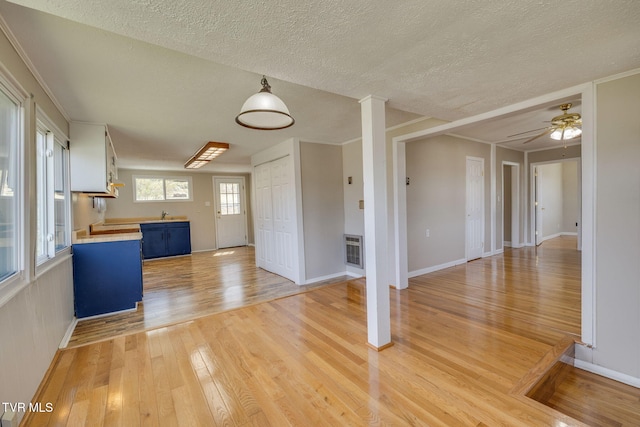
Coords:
pixel 164 214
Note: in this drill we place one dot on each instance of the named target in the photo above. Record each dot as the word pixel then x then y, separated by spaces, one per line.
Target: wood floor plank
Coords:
pixel 464 339
pixel 184 288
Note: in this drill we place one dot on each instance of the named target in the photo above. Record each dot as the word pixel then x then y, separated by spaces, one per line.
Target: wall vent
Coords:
pixel 353 250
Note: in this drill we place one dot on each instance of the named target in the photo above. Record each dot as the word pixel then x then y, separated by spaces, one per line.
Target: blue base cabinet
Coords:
pixel 107 277
pixel 165 239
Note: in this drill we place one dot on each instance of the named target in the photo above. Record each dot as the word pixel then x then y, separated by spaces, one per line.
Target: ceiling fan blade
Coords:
pixel 546 132
pixel 529 131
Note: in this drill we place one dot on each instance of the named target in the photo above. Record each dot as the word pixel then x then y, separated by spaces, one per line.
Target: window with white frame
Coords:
pixel 10 212
pixel 53 197
pixel 156 188
pixel 229 198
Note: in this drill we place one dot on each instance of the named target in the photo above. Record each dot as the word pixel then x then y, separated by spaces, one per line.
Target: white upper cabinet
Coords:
pixel 93 161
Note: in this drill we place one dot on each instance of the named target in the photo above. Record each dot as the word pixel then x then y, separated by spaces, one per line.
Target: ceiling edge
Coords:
pixel 27 61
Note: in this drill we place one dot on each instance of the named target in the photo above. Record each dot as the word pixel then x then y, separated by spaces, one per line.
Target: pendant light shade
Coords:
pixel 264 111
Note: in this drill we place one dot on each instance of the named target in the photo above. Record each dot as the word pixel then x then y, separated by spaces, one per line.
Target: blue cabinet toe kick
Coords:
pixel 107 277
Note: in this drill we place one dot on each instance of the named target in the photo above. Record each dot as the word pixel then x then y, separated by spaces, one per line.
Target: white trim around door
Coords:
pixel 230 213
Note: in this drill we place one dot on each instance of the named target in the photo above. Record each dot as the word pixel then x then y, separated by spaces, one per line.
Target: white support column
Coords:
pixel 375 221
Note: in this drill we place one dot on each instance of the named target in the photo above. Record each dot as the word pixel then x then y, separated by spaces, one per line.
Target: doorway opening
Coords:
pixel 556 190
pixel 511 205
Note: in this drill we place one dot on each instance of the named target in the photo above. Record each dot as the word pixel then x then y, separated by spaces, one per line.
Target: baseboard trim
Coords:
pixel 608 373
pixel 354 275
pixel 428 270
pixel 553 236
pixel 67 336
pixel 322 278
pixel 98 316
pixel 496 252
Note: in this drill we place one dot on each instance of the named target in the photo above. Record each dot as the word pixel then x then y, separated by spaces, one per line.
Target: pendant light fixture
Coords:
pixel 264 111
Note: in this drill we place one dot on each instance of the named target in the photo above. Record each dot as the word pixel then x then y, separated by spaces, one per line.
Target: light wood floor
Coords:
pixel 184 288
pixel 463 338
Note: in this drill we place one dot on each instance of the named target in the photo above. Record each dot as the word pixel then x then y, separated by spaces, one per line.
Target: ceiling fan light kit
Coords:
pixel 563 127
pixel 264 111
pixel 562 134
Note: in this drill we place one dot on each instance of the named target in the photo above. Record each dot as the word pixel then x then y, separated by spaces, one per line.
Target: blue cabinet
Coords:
pixel 107 277
pixel 165 239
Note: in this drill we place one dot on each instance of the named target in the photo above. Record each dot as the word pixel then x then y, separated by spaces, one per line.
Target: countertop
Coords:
pixel 144 220
pixel 119 229
pixel 81 237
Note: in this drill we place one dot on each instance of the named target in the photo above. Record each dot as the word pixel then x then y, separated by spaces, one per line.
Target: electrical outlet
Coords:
pixel 428 233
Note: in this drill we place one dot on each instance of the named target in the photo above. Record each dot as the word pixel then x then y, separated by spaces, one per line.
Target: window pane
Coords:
pixel 8 181
pixel 177 189
pixel 60 201
pixel 41 194
pixel 149 189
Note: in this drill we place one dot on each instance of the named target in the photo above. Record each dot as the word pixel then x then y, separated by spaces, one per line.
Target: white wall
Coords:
pixel 617 217
pixel 323 210
pixel 35 318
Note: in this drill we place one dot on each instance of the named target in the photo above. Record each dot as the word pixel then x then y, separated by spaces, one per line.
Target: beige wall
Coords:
pixel 322 209
pixel 559 154
pixel 617 228
pixel 436 199
pixel 559 197
pixel 354 192
pixel 570 197
pixel 35 318
pixel 352 166
pixel 202 217
pixel 550 199
pixel 87 210
pixel 506 205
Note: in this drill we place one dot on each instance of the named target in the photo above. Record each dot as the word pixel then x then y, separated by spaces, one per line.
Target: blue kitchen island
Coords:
pixel 107 273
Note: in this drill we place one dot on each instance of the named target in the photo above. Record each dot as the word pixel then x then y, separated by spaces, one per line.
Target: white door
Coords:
pixel 264 217
pixel 275 217
pixel 475 208
pixel 283 211
pixel 231 213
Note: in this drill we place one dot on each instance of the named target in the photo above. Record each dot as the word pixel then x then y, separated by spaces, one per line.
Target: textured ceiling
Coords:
pixel 188 65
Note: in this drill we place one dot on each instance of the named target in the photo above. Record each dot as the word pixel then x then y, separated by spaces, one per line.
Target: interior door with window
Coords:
pixel 231 216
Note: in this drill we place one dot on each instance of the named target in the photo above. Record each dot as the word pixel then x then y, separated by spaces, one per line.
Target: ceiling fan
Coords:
pixel 563 127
